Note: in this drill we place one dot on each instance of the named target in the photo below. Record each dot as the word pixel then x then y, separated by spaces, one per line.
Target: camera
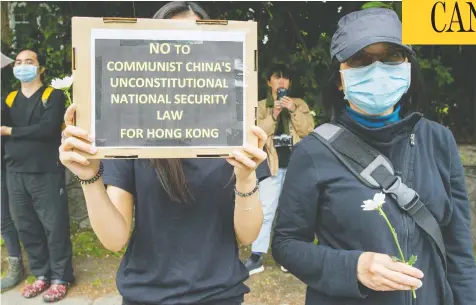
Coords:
pixel 281 93
pixel 283 140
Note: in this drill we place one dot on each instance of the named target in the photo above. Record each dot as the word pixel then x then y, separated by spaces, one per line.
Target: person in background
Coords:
pixel 374 92
pixel 190 214
pixel 15 271
pixel 285 120
pixel 36 180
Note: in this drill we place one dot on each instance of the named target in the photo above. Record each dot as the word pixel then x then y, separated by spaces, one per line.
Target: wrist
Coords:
pixel 248 190
pixel 90 180
pixel 247 184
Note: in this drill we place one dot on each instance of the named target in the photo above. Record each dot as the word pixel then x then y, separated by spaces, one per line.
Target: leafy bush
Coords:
pixel 294 33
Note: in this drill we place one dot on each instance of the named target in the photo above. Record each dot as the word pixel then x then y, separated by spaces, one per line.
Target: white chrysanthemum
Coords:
pixel 63 83
pixel 374 204
pixel 312 113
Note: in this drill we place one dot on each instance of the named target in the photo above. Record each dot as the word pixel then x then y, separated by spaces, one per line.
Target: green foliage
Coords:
pixel 296 34
pixel 97 283
pixel 30 279
pixel 86 243
pixel 51 38
pixel 377 4
pixel 316 241
pixel 396 259
pixel 442 74
pixel 412 260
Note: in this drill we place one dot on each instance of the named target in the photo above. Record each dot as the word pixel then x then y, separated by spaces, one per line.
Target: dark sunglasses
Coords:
pixel 392 56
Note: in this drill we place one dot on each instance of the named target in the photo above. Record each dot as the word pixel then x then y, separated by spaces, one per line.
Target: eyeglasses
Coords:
pixel 392 56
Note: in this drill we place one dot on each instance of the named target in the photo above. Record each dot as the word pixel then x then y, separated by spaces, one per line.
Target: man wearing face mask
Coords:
pixel 35 179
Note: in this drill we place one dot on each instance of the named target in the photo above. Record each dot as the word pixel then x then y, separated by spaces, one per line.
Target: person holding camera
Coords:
pixel 285 120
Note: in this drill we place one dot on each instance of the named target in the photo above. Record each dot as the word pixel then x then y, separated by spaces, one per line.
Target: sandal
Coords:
pixel 32 290
pixel 56 293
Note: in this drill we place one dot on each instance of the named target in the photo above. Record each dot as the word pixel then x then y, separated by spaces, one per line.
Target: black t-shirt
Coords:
pixel 181 253
pixel 36 132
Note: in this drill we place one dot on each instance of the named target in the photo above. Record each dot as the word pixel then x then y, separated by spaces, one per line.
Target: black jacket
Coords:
pixel 36 133
pixel 321 197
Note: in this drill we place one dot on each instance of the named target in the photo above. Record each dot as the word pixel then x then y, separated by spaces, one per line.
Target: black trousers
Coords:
pixel 9 232
pixel 124 302
pixel 39 209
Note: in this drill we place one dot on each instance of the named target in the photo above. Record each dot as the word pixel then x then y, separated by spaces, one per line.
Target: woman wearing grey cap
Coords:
pixel 378 156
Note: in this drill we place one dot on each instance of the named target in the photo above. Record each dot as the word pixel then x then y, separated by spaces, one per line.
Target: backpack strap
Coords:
pixel 374 170
pixel 46 94
pixel 44 99
pixel 11 98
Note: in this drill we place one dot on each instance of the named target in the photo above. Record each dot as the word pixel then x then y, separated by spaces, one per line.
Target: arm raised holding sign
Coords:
pixel 113 204
pixel 248 225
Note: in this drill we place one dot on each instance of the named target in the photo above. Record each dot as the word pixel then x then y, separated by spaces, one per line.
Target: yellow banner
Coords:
pixel 439 22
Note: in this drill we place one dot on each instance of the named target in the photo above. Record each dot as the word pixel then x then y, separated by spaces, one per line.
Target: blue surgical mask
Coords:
pixel 25 73
pixel 377 87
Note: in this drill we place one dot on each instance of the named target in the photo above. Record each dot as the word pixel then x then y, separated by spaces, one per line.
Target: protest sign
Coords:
pixel 150 88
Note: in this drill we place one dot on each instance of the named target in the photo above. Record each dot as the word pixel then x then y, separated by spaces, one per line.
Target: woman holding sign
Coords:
pixel 189 214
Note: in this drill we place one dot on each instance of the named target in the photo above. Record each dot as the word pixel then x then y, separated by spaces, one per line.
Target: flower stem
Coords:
pixel 394 234
pixel 68 96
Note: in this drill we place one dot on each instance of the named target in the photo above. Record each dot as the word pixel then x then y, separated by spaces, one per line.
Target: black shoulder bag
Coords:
pixel 374 170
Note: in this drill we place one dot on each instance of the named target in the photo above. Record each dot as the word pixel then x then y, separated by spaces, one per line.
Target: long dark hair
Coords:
pixel 170 171
pixel 175 8
pixel 333 98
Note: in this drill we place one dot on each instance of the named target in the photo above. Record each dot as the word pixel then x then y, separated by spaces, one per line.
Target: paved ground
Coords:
pixel 95 281
pixel 14 297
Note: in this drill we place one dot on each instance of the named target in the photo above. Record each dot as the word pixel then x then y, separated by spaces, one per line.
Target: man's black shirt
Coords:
pixel 36 133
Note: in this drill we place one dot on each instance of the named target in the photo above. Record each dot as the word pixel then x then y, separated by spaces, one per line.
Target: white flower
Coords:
pixel 62 84
pixel 312 113
pixel 374 204
pixel 265 39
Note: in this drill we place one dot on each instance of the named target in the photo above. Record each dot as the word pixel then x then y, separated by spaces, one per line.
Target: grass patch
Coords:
pixel 85 243
pixel 30 280
pixel 464 158
pixel 97 283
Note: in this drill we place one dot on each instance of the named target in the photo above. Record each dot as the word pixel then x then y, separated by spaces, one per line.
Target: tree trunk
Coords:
pixel 5 21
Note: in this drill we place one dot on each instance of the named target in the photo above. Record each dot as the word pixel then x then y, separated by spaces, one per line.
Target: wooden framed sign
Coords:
pixel 149 88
